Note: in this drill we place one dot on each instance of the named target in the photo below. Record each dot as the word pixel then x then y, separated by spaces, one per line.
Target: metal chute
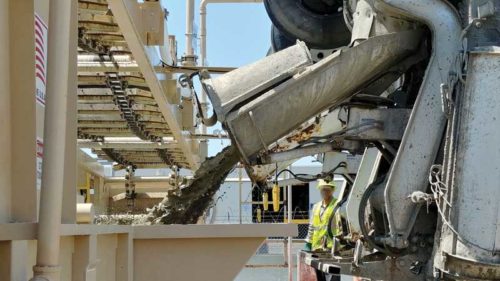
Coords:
pixel 240 85
pixel 256 121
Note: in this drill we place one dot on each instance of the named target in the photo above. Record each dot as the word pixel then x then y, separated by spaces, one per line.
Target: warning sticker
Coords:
pixel 40 59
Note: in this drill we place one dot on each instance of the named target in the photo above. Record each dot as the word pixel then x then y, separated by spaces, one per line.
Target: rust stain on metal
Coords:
pixel 259 173
pixel 304 134
pixel 294 139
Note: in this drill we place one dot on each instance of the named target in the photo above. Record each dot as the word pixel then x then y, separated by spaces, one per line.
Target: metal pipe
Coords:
pixel 189 28
pixel 206 136
pixel 85 213
pixel 62 12
pixel 203 41
pixel 289 202
pixel 240 187
pixel 422 137
pixel 84 66
pixel 284 195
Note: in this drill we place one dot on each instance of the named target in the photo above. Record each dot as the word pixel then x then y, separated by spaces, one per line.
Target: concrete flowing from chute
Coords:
pixel 193 200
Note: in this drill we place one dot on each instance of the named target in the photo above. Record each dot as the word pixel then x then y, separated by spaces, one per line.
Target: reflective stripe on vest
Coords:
pixel 320 239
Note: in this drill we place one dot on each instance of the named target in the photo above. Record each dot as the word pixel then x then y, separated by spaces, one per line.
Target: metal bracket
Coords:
pixel 374 266
pixel 358 250
pixel 124 103
pixel 486 10
pixel 446 100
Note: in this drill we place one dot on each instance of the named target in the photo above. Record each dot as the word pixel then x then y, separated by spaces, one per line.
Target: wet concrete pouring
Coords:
pixel 194 200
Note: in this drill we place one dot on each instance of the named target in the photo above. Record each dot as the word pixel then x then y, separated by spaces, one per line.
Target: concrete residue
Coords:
pixel 122 219
pixel 193 200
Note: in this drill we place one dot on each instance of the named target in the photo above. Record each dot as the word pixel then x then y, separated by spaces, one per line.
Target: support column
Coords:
pixel 70 152
pixel 55 132
pixel 289 220
pixel 5 140
pixel 189 31
pixel 124 257
pixel 22 111
pixel 84 258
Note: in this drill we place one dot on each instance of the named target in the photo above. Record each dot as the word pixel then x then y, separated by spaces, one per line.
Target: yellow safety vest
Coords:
pixel 320 236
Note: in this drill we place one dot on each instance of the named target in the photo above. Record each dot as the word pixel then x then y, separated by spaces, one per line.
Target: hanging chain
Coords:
pixel 130 194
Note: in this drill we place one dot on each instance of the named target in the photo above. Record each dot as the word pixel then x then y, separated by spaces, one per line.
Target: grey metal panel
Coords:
pixel 320 86
pixel 477 176
pixel 377 123
pixel 332 159
pixel 366 175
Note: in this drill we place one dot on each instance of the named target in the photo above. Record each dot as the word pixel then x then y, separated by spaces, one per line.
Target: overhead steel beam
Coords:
pixel 152 165
pixel 162 179
pixel 116 117
pixel 119 131
pixel 113 107
pixel 124 145
pixel 93 6
pixel 109 67
pixel 89 164
pixel 209 136
pixel 122 11
pixel 191 69
pixel 106 67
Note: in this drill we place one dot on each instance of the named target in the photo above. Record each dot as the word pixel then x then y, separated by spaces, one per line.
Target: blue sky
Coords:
pixel 237 34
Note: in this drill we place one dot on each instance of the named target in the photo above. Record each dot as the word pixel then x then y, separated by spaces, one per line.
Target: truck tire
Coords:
pixel 279 41
pixel 319 27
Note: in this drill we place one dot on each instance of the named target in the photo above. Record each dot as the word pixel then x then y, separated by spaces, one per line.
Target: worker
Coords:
pixel 317 235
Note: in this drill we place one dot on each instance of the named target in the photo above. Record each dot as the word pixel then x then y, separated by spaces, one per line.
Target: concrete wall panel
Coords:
pixel 192 259
pixel 106 257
